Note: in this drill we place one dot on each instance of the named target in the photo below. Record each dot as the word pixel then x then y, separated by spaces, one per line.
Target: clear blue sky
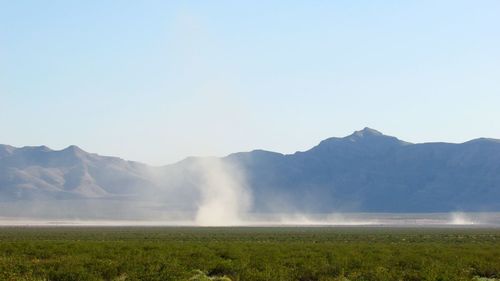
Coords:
pixel 156 81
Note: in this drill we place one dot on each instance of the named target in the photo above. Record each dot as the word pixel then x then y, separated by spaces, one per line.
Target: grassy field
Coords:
pixel 182 253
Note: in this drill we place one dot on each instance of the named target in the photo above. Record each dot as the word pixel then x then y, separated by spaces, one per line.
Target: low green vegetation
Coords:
pixel 223 254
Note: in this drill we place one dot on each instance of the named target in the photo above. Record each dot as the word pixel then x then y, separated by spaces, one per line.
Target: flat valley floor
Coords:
pixel 249 253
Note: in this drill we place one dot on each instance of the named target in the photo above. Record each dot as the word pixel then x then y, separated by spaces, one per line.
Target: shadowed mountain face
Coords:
pixel 366 171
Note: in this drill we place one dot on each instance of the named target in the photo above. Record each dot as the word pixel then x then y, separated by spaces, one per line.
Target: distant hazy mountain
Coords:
pixel 369 171
pixel 366 171
pixel 39 172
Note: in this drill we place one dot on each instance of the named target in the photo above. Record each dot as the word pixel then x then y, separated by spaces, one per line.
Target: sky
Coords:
pixel 157 81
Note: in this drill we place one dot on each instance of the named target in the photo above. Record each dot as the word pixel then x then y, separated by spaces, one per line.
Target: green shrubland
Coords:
pixel 223 254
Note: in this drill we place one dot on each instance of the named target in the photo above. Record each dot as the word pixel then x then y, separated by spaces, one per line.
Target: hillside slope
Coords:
pixel 366 171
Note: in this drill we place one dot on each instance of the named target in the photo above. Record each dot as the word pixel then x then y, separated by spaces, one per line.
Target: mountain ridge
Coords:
pixel 366 171
pixel 366 131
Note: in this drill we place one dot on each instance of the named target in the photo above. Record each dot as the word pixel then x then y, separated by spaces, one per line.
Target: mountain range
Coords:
pixel 366 171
